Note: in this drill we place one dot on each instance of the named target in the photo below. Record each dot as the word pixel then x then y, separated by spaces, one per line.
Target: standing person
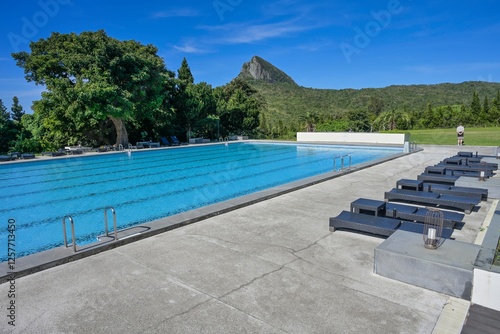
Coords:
pixel 460 134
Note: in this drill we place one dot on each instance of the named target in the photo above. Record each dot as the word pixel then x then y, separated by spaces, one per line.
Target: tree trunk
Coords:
pixel 121 132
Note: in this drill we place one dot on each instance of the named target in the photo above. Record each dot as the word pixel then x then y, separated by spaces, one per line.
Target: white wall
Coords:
pixel 354 137
pixel 486 289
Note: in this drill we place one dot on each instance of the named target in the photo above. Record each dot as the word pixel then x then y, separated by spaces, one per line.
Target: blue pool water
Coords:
pixel 148 185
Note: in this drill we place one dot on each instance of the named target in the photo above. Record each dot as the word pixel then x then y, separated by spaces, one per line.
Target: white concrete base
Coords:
pixel 354 137
pixel 486 289
pixel 452 317
pixel 403 257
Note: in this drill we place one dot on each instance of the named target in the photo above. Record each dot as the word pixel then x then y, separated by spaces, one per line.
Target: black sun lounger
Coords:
pixel 401 211
pixel 472 173
pixel 437 178
pixel 436 170
pixel 468 168
pixel 165 142
pixel 418 214
pixel 476 162
pixel 455 161
pixel 465 204
pixel 469 155
pixel 375 225
pixel 55 154
pixel 455 190
pixel 479 193
pixel 458 170
pixel 176 141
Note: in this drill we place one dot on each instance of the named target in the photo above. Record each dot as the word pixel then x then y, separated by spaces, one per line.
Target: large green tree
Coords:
pixel 376 105
pixel 495 109
pixel 7 128
pixel 309 121
pixel 239 106
pixel 16 109
pixel 475 105
pixel 184 74
pixel 90 78
pixel 203 107
pixel 392 120
pixel 193 103
pixel 359 120
pixel 4 114
pixel 485 112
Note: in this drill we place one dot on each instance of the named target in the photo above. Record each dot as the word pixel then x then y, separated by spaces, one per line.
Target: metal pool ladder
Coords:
pixel 72 232
pixel 106 221
pixel 73 227
pixel 341 158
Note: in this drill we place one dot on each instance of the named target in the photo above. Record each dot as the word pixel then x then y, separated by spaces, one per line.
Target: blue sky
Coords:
pixel 320 44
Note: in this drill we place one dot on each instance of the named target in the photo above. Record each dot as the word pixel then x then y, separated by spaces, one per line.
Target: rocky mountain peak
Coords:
pixel 259 69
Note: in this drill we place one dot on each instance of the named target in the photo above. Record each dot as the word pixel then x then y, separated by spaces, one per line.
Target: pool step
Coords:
pixel 123 234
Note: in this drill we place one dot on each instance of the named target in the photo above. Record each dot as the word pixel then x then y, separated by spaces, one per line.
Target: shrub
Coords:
pixel 26 145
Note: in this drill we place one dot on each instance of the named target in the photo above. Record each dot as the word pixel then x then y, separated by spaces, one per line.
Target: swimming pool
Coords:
pixel 148 185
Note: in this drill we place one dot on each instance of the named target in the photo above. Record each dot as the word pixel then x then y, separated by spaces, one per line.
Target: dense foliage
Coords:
pixel 101 91
pixel 90 79
pixel 12 131
pixel 290 108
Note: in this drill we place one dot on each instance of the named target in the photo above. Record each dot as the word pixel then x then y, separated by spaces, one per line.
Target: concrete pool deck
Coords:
pixel 271 267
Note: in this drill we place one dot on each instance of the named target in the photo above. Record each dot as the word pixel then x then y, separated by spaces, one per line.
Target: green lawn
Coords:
pixel 473 136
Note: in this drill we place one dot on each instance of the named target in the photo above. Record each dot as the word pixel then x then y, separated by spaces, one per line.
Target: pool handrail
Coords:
pixel 72 232
pixel 106 221
pixel 341 162
pixel 73 227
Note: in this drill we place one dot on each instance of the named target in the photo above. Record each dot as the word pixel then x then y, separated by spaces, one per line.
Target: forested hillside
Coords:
pixel 102 91
pixel 294 100
pixel 290 107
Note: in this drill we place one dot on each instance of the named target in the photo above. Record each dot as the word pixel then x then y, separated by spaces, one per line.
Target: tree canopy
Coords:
pixel 239 107
pixel 102 91
pixel 6 127
pixel 16 109
pixel 92 77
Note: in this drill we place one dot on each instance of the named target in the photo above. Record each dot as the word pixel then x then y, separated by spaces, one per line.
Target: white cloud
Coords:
pixel 280 20
pixel 244 33
pixel 190 48
pixel 317 45
pixel 181 12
